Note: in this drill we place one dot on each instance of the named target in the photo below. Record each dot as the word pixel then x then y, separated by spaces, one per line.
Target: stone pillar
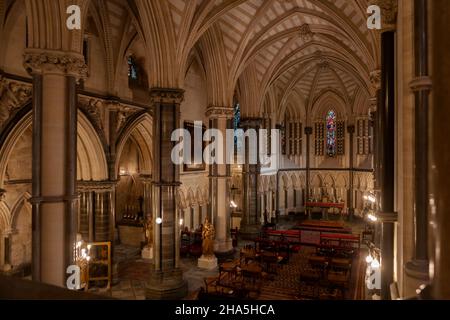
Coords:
pixel 84 217
pixel 439 169
pixel 351 205
pixel 220 118
pixel 308 133
pixel 147 182
pixel 54 161
pixel 386 155
pixel 251 225
pixel 166 278
pixel 102 206
pixel 421 85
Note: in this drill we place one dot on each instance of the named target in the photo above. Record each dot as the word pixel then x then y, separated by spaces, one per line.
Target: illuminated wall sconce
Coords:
pixel 233 205
pixel 159 221
pixel 181 222
pixel 372 217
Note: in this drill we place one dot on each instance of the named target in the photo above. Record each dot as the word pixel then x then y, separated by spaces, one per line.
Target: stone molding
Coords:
pixel 421 84
pixel 41 61
pixel 252 123
pixel 166 96
pixel 14 95
pixel 96 186
pixel 375 79
pixel 220 112
pixel 389 11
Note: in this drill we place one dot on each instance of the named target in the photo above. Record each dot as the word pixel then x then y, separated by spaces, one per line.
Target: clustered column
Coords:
pixel 386 158
pixel 97 214
pixel 250 225
pixel 220 118
pixel 54 161
pixel 308 133
pixel 439 169
pixel 166 278
pixel 421 86
pixel 351 207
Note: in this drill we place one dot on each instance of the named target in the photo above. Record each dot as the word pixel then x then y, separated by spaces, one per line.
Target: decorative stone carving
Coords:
pixel 323 64
pixel 92 107
pixel 253 123
pixel 220 112
pixel 13 96
pixel 305 32
pixel 38 61
pixel 123 114
pixel 389 9
pixel 375 79
pixel 96 186
pixel 166 96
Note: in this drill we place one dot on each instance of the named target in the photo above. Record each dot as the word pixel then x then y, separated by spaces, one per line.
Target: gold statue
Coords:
pixel 208 235
pixel 149 231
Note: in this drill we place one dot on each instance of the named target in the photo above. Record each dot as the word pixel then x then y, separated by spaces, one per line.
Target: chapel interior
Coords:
pixel 354 206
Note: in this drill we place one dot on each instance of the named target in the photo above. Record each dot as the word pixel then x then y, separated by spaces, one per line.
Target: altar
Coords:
pixel 325 207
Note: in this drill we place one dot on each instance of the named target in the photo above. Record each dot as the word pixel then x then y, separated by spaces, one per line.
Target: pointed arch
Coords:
pixel 140 129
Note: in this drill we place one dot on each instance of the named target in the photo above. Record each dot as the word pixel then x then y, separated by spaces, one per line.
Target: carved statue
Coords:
pixel 208 235
pixel 149 232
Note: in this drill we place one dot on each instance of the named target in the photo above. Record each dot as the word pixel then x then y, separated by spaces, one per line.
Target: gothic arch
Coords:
pixel 21 203
pixel 141 131
pixel 90 150
pixel 330 99
pixel 92 163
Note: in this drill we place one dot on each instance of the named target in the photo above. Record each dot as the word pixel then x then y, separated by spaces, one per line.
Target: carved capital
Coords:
pixel 421 84
pixel 389 10
pixel 40 62
pixel 251 123
pixel 166 96
pixel 220 112
pixel 96 186
pixel 13 96
pixel 375 79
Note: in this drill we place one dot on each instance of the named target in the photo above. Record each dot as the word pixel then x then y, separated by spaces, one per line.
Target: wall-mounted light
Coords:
pixel 371 198
pixel 159 221
pixel 181 222
pixel 375 264
pixel 372 217
pixel 233 204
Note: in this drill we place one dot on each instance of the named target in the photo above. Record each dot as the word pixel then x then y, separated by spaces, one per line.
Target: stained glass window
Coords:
pixel 132 69
pixel 237 116
pixel 331 133
pixel 237 123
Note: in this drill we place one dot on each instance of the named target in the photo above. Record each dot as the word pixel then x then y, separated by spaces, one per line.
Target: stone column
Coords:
pixel 147 182
pixel 308 133
pixel 166 278
pixel 84 218
pixel 421 85
pixel 439 169
pixel 386 140
pixel 54 161
pixel 351 206
pixel 250 225
pixel 219 192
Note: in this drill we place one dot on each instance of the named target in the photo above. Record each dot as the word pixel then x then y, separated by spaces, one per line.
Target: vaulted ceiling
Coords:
pixel 272 52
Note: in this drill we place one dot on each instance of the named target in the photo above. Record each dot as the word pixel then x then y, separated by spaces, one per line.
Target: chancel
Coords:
pixel 346 100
